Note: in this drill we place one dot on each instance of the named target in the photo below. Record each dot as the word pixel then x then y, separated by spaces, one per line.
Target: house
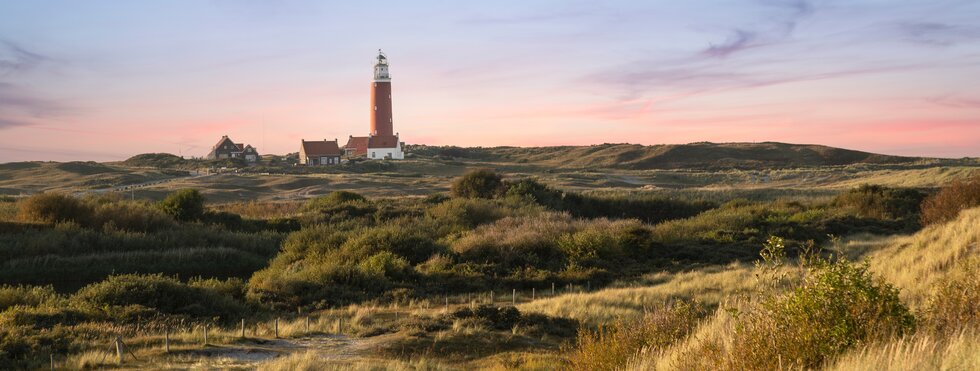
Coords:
pixel 319 152
pixel 226 148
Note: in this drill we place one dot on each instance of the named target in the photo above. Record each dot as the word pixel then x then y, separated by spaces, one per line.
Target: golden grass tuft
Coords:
pixel 914 353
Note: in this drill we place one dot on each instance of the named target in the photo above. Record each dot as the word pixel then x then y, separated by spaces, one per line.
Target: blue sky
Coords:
pixel 104 80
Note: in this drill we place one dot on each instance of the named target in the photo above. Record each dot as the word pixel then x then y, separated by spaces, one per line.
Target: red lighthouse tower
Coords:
pixel 381 120
pixel 382 142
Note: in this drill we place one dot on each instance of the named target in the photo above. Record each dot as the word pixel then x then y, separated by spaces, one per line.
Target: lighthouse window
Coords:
pixel 375 108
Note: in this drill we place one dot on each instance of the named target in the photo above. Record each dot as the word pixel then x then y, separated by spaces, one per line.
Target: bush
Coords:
pixel 478 184
pixel 612 348
pixel 949 201
pixel 129 216
pixel 466 213
pixel 184 205
pixel 333 199
pixel 25 295
pixel 162 294
pixel 838 306
pixel 875 201
pixel 385 265
pixel 533 191
pixel 54 208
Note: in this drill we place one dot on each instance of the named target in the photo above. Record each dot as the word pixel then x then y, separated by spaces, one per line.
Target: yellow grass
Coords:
pixel 312 360
pixel 922 352
pixel 915 264
pixel 710 285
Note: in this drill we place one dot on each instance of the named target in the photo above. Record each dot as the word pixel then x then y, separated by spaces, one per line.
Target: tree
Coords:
pixel 184 205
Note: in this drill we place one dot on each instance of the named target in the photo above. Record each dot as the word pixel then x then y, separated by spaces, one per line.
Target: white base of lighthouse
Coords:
pixel 386 153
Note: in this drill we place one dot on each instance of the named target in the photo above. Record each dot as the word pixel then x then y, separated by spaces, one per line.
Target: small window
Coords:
pixel 375 108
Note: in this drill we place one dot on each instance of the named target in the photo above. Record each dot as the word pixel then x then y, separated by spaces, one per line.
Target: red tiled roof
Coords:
pixel 383 141
pixel 357 145
pixel 321 147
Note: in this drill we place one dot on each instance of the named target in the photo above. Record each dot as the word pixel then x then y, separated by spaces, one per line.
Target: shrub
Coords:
pixel 25 295
pixel 949 201
pixel 478 184
pixel 333 199
pixel 53 208
pixel 466 213
pixel 184 205
pixel 838 306
pixel 130 216
pixel 385 265
pixel 881 202
pixel 163 294
pixel 612 348
pixel 533 191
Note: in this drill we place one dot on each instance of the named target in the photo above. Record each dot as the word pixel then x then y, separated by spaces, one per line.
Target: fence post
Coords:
pixel 491 297
pixel 513 297
pixel 447 303
pixel 532 294
pixel 120 350
pixel 552 289
pixel 205 334
pixel 52 361
pixel 243 328
pixel 277 327
pixel 166 338
pixel 307 324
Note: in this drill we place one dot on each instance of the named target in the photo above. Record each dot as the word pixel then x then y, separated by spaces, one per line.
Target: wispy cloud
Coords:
pixel 936 33
pixel 21 107
pixel 740 40
pixel 15 58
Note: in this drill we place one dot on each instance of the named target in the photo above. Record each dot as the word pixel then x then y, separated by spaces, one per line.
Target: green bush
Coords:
pixel 25 295
pixel 950 200
pixel 478 184
pixel 385 265
pixel 881 202
pixel 838 306
pixel 333 199
pixel 129 216
pixel 466 213
pixel 184 205
pixel 161 294
pixel 54 207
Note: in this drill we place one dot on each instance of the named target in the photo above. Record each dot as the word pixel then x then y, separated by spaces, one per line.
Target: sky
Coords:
pixel 105 80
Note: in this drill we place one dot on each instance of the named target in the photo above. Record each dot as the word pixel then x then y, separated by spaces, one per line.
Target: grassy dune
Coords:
pixel 915 264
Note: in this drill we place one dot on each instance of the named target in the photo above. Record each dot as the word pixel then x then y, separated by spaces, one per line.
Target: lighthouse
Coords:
pixel 382 141
pixel 381 120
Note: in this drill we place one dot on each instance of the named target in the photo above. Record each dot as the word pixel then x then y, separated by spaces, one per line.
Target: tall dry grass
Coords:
pixel 918 263
pixel 915 353
pixel 709 285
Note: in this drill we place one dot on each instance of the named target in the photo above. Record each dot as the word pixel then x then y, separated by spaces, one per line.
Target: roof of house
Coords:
pixel 383 141
pixel 357 142
pixel 321 148
pixel 221 141
pixel 241 146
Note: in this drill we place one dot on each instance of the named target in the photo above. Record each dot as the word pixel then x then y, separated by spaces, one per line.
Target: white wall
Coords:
pixel 380 153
